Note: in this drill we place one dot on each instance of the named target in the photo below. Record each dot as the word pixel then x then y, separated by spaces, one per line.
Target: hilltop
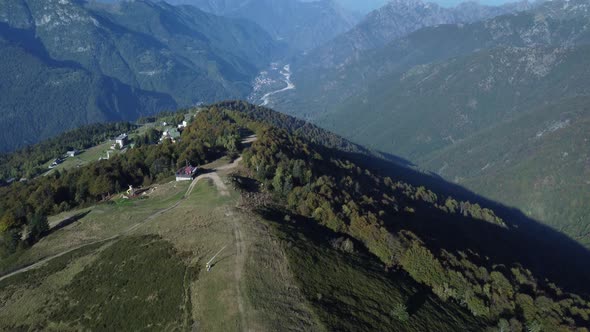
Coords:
pixel 421 254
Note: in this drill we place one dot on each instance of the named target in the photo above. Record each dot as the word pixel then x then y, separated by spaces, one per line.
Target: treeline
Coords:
pixel 28 162
pixel 210 135
pixel 251 115
pixel 462 251
pixel 388 216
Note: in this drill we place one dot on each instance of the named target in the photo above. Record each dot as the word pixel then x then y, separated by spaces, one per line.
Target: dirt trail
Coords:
pixel 240 262
pixel 127 231
pixel 213 176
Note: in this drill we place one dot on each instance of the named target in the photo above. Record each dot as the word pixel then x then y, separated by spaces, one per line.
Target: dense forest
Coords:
pixel 390 217
pixel 501 272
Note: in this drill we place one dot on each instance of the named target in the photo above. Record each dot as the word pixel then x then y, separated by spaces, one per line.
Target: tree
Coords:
pixel 38 227
pixel 400 312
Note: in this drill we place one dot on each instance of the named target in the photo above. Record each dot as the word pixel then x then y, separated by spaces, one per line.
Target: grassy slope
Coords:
pixel 161 264
pixel 180 240
pixel 352 292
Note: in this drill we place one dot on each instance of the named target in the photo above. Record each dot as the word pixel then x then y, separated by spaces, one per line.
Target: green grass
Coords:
pixel 29 298
pixel 85 157
pixel 352 292
pixel 102 221
pixel 135 284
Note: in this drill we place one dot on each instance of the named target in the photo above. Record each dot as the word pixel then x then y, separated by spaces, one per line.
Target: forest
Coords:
pixel 462 251
pixel 27 204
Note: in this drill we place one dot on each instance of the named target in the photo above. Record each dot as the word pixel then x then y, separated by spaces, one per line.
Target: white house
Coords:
pixel 72 153
pixel 121 140
pixel 183 125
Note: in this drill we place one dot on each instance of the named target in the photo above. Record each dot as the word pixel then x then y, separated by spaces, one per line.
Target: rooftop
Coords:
pixel 187 170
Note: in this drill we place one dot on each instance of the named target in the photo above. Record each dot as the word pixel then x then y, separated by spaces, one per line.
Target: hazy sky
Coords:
pixel 367 5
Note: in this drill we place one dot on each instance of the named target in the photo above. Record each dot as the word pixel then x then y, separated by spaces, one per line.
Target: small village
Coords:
pixel 169 131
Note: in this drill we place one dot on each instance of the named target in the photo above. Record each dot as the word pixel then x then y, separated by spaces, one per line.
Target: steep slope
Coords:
pixel 181 55
pixel 303 25
pixel 42 97
pixel 538 162
pixel 550 24
pixel 394 20
pixel 316 238
pixel 531 66
pixel 432 106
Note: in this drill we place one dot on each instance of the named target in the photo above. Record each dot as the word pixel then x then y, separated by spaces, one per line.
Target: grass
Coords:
pixel 271 288
pixel 87 156
pixel 200 225
pixel 135 284
pixel 28 299
pixel 101 222
pixel 142 281
pixel 352 292
pixel 271 276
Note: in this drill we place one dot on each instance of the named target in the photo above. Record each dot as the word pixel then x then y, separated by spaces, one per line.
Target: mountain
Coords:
pixel 303 25
pixel 305 231
pixel 119 61
pixel 443 93
pixel 362 7
pixel 397 19
pixel 318 88
pixel 339 69
pixel 537 161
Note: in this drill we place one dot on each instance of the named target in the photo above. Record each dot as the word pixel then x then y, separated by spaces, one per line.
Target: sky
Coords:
pixel 365 6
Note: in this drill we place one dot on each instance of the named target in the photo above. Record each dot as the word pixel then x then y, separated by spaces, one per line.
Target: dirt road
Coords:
pixel 223 190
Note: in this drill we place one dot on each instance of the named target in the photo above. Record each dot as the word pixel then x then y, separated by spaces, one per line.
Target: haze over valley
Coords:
pixel 272 165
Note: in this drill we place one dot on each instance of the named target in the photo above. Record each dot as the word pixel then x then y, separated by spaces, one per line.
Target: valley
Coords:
pixel 294 165
pixel 275 80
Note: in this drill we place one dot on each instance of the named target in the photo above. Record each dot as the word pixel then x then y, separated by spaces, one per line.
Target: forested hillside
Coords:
pixel 482 265
pixel 321 90
pixel 468 100
pixel 70 63
pixel 303 25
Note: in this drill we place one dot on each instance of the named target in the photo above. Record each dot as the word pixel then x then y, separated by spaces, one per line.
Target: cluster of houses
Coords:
pixel 59 160
pixel 173 133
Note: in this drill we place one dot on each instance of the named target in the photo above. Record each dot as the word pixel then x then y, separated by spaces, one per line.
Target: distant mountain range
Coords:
pixel 304 25
pixel 71 62
pixel 497 105
pixel 396 19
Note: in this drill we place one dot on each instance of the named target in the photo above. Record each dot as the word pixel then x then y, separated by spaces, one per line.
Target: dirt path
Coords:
pixel 240 262
pixel 223 190
pixel 127 231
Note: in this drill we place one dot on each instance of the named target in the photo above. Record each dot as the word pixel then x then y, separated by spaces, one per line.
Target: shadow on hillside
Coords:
pixel 27 40
pixel 66 222
pixel 298 228
pixel 537 247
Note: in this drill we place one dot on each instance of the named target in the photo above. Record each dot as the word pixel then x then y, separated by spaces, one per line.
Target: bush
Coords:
pixel 400 312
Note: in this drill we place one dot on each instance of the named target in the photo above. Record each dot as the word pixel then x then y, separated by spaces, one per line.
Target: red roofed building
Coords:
pixel 186 173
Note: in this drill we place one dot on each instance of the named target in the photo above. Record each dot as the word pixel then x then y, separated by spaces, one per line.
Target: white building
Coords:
pixel 121 140
pixel 183 125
